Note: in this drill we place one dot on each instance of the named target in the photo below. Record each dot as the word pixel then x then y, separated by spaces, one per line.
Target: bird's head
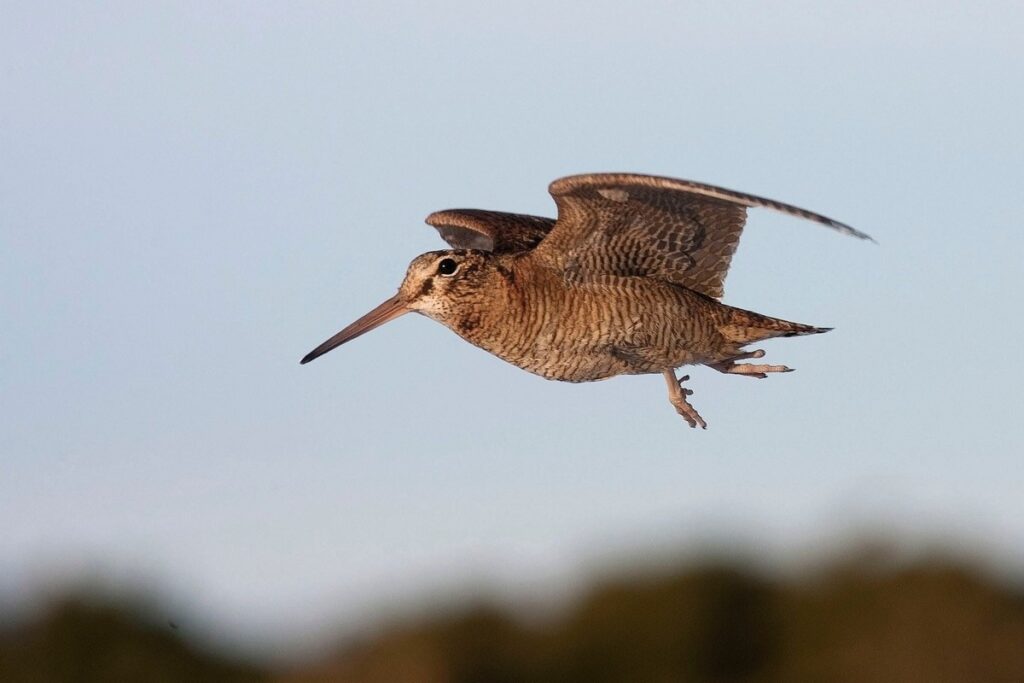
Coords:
pixel 438 284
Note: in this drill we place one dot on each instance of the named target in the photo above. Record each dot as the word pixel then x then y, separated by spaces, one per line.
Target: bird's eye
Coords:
pixel 447 266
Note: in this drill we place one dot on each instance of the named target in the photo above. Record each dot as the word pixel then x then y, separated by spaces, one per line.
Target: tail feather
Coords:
pixel 745 327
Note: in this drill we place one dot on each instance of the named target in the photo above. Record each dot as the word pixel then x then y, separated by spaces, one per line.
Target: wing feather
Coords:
pixel 678 230
pixel 490 230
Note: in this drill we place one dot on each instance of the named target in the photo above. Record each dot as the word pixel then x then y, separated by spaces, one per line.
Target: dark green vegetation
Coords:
pixel 853 621
pixel 88 638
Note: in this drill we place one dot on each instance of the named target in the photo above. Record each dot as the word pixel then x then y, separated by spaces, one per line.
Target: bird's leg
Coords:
pixel 730 367
pixel 677 397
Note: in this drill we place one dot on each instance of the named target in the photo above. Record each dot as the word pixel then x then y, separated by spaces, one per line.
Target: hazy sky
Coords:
pixel 194 195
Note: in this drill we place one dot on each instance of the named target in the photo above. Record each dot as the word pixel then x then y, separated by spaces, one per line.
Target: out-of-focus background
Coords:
pixel 193 195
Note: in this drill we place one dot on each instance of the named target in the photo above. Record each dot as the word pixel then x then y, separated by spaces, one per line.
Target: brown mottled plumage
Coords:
pixel 626 281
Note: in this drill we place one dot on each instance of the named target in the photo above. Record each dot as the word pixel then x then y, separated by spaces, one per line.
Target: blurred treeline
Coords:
pixel 853 620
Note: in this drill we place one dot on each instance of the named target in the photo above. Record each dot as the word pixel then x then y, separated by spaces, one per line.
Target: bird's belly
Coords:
pixel 572 367
pixel 591 333
pixel 562 353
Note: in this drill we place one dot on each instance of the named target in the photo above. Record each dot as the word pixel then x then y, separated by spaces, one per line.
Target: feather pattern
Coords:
pixel 494 231
pixel 678 231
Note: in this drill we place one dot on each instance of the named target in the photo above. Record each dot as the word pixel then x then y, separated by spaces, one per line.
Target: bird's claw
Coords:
pixel 729 366
pixel 677 398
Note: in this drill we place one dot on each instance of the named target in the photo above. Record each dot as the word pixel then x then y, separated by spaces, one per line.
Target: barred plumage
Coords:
pixel 625 281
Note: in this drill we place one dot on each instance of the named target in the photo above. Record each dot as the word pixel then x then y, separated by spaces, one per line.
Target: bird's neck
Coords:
pixel 516 310
pixel 486 319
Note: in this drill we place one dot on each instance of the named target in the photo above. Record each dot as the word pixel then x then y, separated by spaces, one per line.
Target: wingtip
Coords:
pixel 857 233
pixel 849 229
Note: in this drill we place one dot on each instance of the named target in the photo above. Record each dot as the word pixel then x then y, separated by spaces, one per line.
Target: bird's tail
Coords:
pixel 745 327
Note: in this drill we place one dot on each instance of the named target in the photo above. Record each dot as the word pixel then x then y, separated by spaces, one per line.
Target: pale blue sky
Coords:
pixel 192 197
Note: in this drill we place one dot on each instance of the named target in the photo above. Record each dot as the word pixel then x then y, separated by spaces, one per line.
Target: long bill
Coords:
pixel 389 310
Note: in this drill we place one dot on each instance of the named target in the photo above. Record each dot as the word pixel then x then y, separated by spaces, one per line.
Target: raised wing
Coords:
pixel 677 230
pixel 490 230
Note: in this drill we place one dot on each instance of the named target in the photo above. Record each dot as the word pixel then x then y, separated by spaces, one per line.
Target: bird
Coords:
pixel 627 280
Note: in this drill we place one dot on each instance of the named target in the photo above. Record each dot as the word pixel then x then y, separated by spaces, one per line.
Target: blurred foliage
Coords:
pixel 95 638
pixel 857 620
pixel 860 621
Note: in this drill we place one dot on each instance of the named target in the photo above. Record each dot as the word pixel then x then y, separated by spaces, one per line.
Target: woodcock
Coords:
pixel 626 281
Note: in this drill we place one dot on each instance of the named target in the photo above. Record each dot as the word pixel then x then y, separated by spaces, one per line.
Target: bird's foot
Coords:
pixel 730 367
pixel 677 397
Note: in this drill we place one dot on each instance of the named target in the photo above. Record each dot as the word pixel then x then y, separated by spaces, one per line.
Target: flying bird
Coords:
pixel 626 281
